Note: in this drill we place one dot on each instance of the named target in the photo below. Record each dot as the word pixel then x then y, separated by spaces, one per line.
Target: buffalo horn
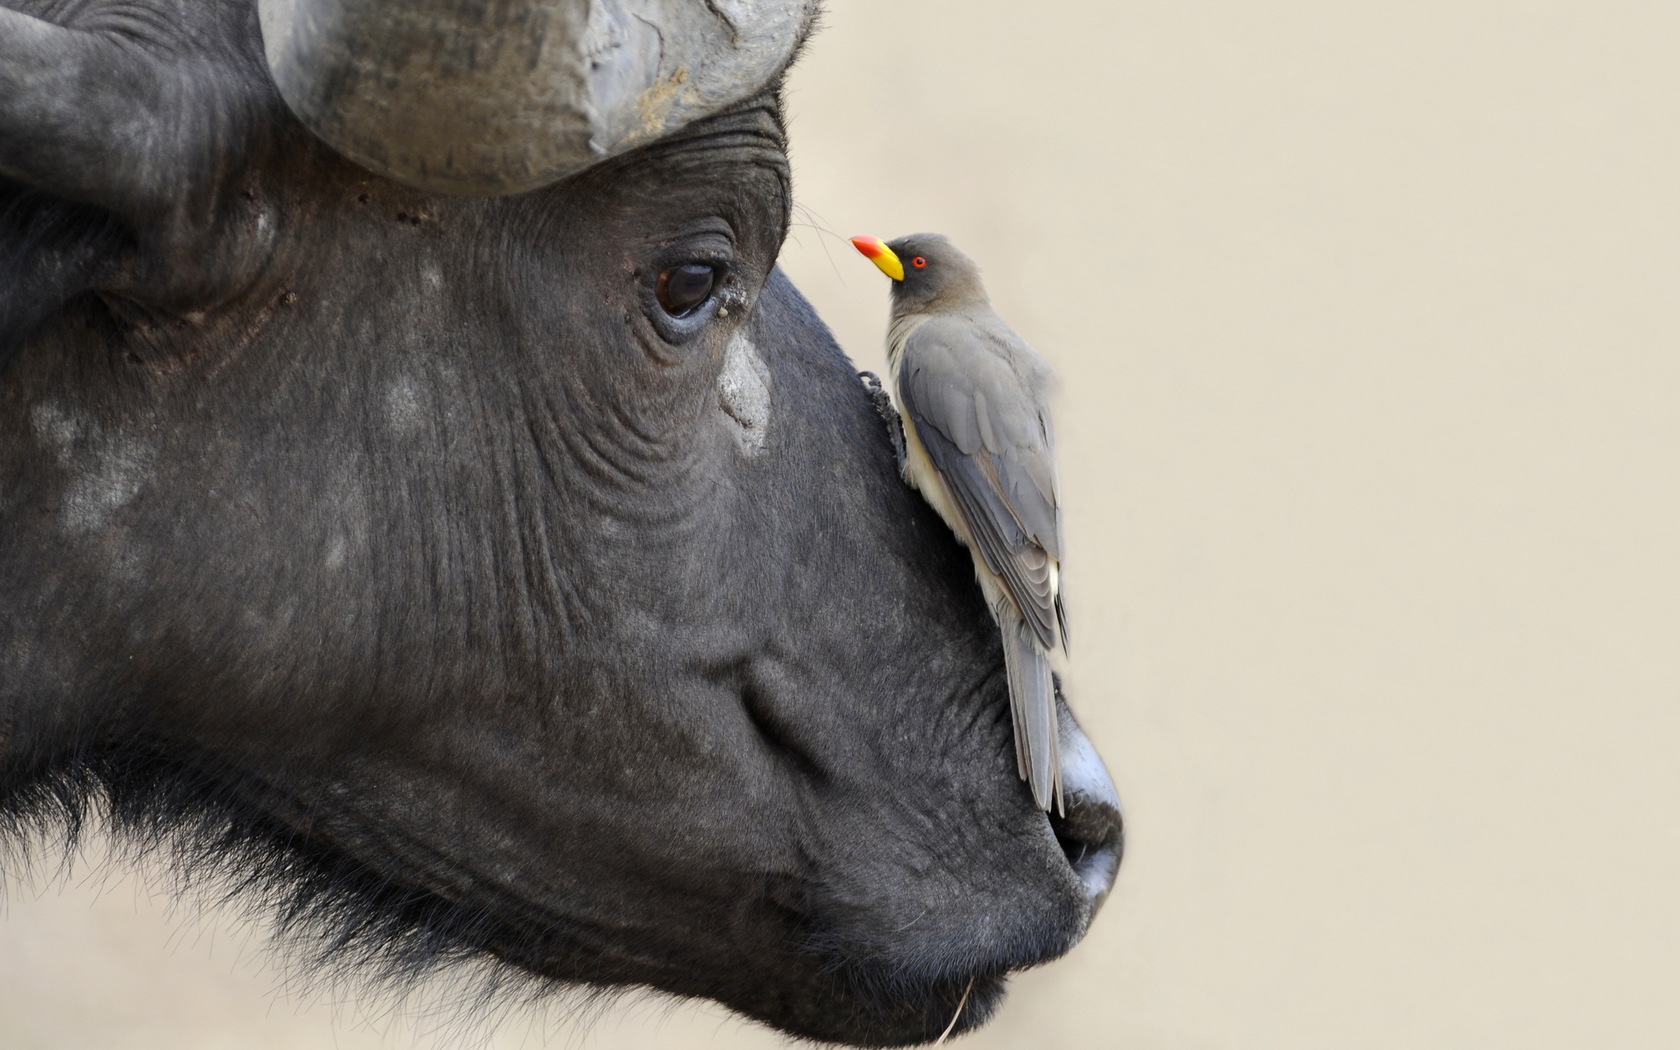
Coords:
pixel 490 97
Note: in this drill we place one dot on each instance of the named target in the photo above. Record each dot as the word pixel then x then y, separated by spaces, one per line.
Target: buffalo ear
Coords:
pixel 121 120
pixel 490 97
pixel 114 143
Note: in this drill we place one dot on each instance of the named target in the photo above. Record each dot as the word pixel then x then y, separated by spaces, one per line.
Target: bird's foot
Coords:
pixel 884 408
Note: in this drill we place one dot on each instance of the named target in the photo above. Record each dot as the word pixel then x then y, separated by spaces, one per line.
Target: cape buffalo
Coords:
pixel 422 498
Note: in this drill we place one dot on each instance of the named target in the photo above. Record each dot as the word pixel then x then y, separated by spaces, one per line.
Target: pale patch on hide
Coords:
pixel 105 471
pixel 111 478
pixel 744 394
pixel 56 429
pixel 343 504
pixel 405 405
pixel 270 621
pixel 29 661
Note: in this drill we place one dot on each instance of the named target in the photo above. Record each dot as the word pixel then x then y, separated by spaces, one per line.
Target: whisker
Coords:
pixel 960 1004
pixel 818 223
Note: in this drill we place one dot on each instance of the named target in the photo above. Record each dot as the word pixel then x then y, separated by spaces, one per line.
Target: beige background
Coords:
pixel 1369 321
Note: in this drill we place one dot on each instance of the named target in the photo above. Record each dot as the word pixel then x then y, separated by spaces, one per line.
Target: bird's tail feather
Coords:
pixel 1032 703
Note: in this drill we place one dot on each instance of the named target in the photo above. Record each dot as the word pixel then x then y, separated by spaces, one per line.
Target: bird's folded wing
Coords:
pixel 986 437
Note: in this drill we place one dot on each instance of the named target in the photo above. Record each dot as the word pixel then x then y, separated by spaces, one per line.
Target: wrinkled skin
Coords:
pixel 414 531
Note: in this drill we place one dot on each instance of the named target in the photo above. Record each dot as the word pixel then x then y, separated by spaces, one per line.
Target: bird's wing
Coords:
pixel 988 435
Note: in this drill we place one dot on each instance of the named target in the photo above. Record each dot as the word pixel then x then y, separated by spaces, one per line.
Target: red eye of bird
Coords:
pixel 918 262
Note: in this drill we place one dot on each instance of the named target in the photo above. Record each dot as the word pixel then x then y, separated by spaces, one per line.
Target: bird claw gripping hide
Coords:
pixel 884 408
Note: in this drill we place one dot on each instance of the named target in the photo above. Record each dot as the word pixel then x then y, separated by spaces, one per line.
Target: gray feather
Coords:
pixel 1032 702
pixel 1013 523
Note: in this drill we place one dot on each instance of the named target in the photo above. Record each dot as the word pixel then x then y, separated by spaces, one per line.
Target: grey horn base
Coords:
pixel 494 97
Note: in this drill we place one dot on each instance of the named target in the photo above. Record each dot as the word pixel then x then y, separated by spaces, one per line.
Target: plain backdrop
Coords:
pixel 1368 318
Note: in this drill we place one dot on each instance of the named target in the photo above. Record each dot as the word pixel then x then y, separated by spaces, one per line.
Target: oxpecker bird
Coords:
pixel 973 399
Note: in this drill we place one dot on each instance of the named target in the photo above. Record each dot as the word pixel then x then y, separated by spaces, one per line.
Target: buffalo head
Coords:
pixel 481 547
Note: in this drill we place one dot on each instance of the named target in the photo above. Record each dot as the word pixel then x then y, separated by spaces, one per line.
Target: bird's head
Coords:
pixel 927 271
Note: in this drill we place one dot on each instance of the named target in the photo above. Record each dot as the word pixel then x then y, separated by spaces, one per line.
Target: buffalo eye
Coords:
pixel 682 288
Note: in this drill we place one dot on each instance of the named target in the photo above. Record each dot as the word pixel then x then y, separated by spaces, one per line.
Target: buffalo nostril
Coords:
pixel 1092 838
pixel 1087 829
pixel 1091 832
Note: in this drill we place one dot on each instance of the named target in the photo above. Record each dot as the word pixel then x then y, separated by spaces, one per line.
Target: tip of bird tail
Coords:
pixel 1032 704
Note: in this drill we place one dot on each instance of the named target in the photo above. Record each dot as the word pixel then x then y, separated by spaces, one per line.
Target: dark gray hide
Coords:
pixel 400 553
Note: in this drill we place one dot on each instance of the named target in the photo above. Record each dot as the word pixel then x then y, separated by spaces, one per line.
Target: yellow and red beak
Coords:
pixel 880 255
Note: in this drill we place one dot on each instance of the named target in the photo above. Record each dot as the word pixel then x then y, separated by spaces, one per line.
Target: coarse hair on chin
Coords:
pixel 392 953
